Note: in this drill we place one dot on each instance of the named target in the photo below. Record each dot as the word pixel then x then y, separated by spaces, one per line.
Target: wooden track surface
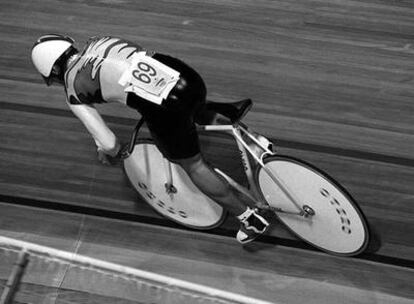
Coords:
pixel 332 83
pixel 269 272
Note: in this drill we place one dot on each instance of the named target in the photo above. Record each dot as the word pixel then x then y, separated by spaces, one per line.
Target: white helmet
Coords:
pixel 47 51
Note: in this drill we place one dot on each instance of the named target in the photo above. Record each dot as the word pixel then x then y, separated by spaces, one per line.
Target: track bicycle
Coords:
pixel 310 203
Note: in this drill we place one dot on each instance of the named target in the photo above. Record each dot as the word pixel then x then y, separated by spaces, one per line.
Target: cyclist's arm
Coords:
pixel 105 139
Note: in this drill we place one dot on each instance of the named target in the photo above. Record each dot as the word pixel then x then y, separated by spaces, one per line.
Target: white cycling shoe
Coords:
pixel 252 225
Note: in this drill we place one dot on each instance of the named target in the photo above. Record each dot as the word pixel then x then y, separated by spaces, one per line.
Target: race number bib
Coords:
pixel 149 78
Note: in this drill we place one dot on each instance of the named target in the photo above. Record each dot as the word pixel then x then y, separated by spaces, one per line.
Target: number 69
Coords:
pixel 144 72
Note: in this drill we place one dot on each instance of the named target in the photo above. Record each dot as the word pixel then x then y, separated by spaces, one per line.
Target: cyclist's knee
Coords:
pixel 196 167
pixel 191 164
pixel 204 177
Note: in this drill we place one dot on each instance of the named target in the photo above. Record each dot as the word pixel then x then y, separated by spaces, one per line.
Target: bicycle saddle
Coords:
pixel 235 111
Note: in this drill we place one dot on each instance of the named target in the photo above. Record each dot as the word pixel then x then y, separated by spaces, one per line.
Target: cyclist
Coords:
pixel 165 91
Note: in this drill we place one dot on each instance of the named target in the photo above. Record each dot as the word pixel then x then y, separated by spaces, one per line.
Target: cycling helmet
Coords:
pixel 50 50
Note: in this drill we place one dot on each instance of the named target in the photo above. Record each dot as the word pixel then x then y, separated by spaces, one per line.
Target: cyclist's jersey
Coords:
pixel 163 89
pixel 93 77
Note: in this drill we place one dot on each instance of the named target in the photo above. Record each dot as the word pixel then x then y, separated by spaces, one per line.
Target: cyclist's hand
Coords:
pixel 123 152
pixel 104 158
pixel 109 160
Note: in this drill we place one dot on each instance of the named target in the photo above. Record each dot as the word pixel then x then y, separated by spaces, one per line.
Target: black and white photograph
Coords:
pixel 206 151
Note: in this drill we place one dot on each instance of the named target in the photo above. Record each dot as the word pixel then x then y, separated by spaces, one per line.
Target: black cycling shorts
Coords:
pixel 172 123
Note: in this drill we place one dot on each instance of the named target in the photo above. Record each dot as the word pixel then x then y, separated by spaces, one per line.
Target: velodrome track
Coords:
pixel 332 83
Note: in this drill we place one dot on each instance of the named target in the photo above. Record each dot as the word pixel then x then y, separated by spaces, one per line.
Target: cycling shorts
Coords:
pixel 172 123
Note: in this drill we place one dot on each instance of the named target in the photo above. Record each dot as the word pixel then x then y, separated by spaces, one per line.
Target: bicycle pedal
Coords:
pixel 245 235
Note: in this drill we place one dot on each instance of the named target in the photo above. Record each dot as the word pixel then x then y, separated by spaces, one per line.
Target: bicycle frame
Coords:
pixel 237 131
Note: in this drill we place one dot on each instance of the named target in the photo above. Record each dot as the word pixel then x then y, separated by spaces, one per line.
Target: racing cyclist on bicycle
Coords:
pixel 167 93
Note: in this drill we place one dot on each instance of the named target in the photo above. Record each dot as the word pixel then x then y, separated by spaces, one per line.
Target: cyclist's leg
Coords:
pixel 174 132
pixel 217 188
pixel 214 185
pixel 179 143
